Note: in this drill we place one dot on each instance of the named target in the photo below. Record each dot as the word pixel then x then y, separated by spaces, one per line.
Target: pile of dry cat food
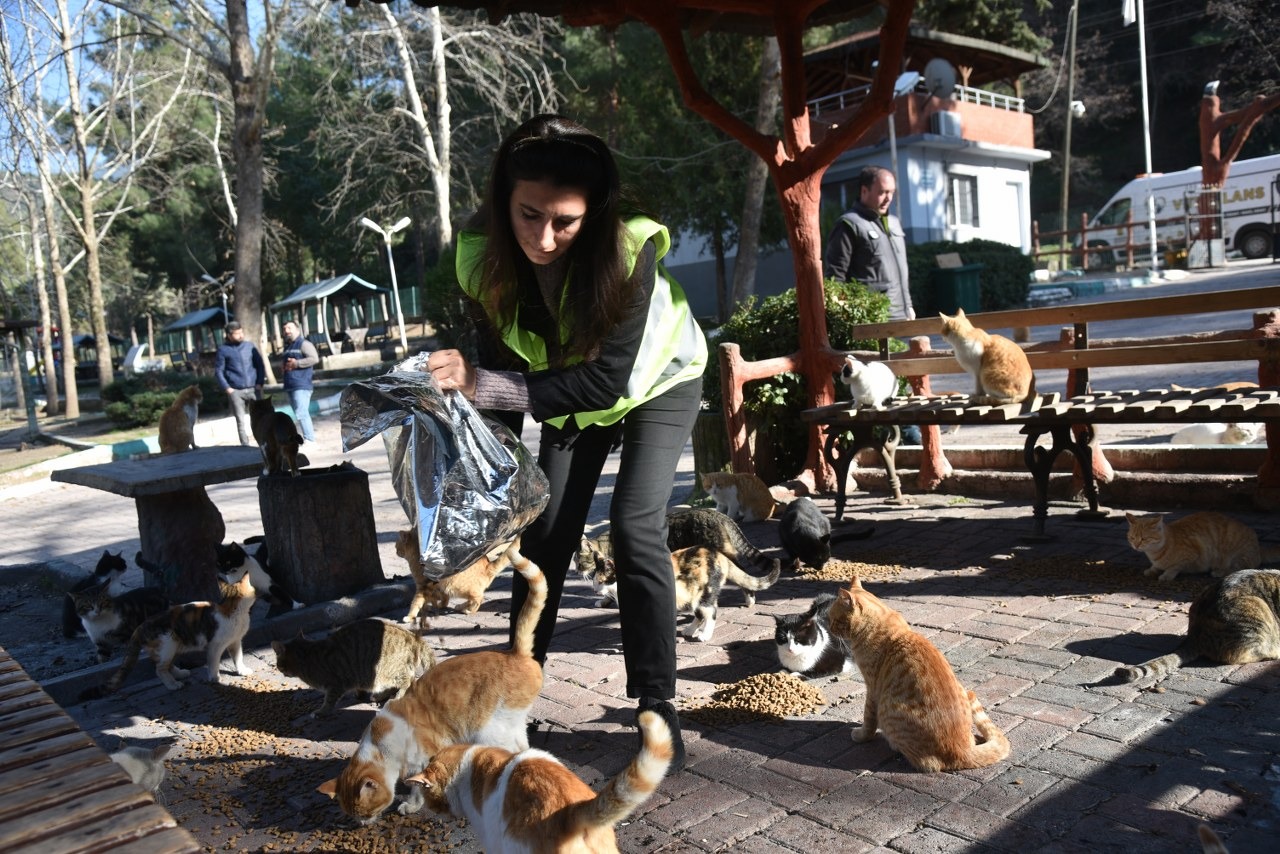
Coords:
pixel 844 570
pixel 772 696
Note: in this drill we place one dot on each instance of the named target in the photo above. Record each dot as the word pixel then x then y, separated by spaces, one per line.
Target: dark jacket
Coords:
pixel 305 353
pixel 858 249
pixel 239 366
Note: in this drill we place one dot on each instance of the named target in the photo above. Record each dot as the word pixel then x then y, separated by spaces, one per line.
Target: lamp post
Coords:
pixel 395 290
pixel 905 83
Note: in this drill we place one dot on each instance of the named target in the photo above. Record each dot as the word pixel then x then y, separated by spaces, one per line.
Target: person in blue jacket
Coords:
pixel 300 359
pixel 241 373
pixel 579 326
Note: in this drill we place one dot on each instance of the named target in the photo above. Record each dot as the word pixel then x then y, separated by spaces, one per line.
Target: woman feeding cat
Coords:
pixel 579 326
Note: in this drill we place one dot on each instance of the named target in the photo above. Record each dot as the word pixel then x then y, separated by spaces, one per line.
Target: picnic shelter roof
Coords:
pixel 211 316
pixel 349 285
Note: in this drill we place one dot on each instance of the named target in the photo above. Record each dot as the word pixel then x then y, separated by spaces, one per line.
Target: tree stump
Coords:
pixel 710 449
pixel 320 533
pixel 178 531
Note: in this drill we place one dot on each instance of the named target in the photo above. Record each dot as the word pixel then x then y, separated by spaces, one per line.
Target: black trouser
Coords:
pixel 653 437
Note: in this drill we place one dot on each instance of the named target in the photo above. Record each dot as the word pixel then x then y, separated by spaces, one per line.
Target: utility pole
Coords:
pixel 1066 144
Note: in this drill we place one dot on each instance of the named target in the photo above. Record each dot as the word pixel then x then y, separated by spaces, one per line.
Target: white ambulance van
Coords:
pixel 1249 202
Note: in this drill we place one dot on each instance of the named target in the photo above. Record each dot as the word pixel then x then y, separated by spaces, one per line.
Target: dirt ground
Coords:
pixel 18 450
pixel 31 622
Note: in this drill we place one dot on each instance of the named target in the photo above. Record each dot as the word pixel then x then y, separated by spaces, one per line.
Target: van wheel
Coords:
pixel 1254 243
pixel 1105 260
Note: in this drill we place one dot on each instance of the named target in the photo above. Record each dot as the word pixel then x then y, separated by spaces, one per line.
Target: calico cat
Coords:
pixel 1232 621
pixel 806 645
pixel 144 765
pixel 740 495
pixel 110 569
pixel 700 573
pixel 999 367
pixel 477 697
pixel 913 695
pixel 191 627
pixel 870 383
pixel 469 585
pixel 276 435
pixel 1231 433
pixel 111 620
pixel 230 557
pixel 178 422
pixel 372 655
pixel 688 527
pixel 529 801
pixel 1206 541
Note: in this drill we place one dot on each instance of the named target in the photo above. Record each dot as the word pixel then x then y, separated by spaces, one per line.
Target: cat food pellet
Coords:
pixel 767 695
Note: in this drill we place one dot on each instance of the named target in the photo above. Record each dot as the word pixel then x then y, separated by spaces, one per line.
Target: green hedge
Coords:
pixel 1005 279
pixel 139 400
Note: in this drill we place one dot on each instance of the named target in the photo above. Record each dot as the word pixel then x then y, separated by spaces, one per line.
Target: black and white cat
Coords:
pixel 109 571
pixel 232 556
pixel 806 645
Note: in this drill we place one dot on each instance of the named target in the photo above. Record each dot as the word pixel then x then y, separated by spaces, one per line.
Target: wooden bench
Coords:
pixel 1069 418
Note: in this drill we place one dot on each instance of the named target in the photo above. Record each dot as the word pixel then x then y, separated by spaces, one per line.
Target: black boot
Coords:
pixel 668 713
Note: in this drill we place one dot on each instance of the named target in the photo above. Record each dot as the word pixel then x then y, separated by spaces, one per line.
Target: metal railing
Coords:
pixel 850 98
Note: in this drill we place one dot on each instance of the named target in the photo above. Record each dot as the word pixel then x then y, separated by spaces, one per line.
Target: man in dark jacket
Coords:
pixel 300 358
pixel 241 373
pixel 868 244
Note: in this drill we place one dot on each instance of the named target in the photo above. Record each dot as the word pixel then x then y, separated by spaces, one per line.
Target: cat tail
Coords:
pixel 634 784
pixel 131 653
pixel 754 582
pixel 995 745
pixel 1210 842
pixel 1158 667
pixel 533 604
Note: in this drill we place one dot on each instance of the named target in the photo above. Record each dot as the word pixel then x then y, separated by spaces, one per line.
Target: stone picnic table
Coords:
pixel 177 522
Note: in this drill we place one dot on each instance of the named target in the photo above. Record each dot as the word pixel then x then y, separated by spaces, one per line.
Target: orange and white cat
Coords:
pixel 467 586
pixel 478 697
pixel 177 429
pixel 1207 541
pixel 999 366
pixel 913 696
pixel 740 495
pixel 529 801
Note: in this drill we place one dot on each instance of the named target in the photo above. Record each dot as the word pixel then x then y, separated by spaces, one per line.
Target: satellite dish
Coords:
pixel 939 77
pixel 905 83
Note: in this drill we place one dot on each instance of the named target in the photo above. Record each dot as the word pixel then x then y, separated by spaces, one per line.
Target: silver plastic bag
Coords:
pixel 465 480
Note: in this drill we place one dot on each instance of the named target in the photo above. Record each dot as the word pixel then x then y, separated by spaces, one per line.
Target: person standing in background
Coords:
pixel 300 359
pixel 868 245
pixel 241 373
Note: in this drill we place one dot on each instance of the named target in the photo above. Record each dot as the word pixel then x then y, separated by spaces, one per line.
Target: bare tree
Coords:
pixel 744 269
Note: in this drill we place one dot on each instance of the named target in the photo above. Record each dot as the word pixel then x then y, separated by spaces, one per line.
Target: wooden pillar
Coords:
pixel 934 466
pixel 178 531
pixel 1266 324
pixel 735 419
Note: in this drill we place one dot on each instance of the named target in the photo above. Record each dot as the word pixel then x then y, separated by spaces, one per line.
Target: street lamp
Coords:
pixel 395 290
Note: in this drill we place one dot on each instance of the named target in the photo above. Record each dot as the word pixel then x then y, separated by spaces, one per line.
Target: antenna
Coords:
pixel 939 77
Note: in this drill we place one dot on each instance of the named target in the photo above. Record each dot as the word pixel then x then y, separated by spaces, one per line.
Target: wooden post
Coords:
pixel 934 466
pixel 1266 324
pixel 178 531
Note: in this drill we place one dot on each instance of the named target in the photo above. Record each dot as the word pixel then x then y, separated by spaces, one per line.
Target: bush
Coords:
pixel 1006 277
pixel 773 329
pixel 139 400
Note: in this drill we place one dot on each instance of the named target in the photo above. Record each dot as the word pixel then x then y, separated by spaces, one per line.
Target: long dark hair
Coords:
pixel 564 153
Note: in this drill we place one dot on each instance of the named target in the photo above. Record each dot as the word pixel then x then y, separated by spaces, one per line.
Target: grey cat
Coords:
pixel 373 656
pixel 1235 620
pixel 805 533
pixel 688 528
pixel 144 765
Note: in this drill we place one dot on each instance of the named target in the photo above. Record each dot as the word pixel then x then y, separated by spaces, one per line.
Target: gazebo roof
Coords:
pixel 349 285
pixel 212 316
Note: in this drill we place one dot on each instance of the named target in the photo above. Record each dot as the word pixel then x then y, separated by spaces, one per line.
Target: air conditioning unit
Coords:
pixel 944 123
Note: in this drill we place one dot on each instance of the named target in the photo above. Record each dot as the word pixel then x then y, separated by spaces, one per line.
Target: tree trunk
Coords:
pixel 744 269
pixel 50 372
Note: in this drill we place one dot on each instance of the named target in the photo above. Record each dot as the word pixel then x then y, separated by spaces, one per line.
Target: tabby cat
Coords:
pixel 740 495
pixel 110 569
pixel 195 626
pixel 806 645
pixel 913 695
pixel 1206 541
pixel 478 697
pixel 469 585
pixel 529 801
pixel 111 620
pixel 999 367
pixel 231 557
pixel 277 436
pixel 372 655
pixel 700 573
pixel 687 527
pixel 144 765
pixel 1235 620
pixel 177 430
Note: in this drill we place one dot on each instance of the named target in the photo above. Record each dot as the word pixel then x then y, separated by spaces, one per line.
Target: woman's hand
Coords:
pixel 452 371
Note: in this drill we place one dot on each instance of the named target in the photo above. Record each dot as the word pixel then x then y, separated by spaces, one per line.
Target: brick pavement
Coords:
pixel 1031 627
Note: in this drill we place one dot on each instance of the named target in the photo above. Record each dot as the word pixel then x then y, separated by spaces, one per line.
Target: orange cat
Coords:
pixel 528 801
pixel 477 697
pixel 913 695
pixel 469 585
pixel 1200 542
pixel 998 365
pixel 740 495
pixel 178 422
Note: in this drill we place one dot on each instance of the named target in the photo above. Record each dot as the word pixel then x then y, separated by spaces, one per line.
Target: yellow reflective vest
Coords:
pixel 672 350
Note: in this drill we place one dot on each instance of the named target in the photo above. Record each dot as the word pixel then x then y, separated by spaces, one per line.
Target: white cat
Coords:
pixel 1242 433
pixel 871 383
pixel 144 765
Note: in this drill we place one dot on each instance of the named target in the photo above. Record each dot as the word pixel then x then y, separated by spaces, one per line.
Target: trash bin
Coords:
pixel 951 288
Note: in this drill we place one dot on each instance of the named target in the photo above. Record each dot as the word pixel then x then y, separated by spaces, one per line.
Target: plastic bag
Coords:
pixel 465 480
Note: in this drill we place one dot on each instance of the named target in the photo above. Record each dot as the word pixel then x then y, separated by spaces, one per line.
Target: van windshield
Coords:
pixel 1117 213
